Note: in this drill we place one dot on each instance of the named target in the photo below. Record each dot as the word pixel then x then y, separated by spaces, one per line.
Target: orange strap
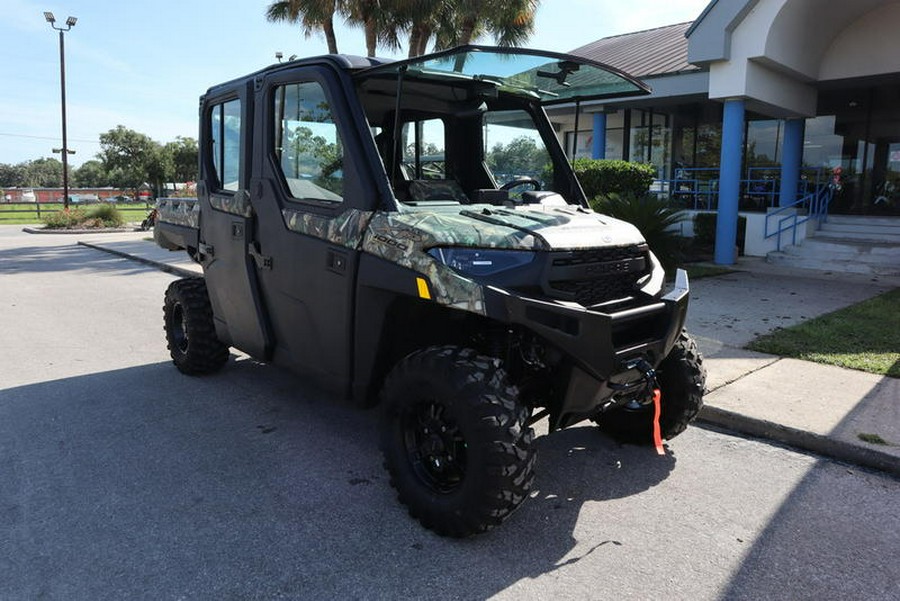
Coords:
pixel 657 436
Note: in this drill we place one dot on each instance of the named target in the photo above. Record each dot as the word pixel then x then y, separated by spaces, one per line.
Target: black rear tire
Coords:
pixel 190 331
pixel 682 381
pixel 455 440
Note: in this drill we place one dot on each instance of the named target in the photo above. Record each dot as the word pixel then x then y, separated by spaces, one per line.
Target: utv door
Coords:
pixel 314 195
pixel 228 221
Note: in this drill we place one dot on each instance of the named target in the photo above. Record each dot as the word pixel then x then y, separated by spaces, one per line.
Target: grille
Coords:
pixel 598 275
pixel 599 255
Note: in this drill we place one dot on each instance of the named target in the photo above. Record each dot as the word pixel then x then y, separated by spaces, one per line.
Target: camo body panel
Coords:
pixel 404 238
pixel 179 211
pixel 345 229
pixel 427 229
pixel 236 204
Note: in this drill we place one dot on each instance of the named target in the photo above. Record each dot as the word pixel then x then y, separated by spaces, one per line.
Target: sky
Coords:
pixel 145 64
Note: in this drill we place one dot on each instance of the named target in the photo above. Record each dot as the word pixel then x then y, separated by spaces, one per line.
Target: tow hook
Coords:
pixel 647 379
pixel 637 391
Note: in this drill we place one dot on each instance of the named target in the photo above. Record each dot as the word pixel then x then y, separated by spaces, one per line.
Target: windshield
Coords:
pixel 468 126
pixel 551 77
pixel 514 149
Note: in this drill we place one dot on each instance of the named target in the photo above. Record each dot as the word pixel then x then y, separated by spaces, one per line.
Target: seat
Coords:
pixel 437 189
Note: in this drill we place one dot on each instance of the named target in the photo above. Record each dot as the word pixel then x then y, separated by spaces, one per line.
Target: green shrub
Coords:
pixel 603 176
pixel 654 218
pixel 67 218
pixel 705 229
pixel 107 215
pixel 98 216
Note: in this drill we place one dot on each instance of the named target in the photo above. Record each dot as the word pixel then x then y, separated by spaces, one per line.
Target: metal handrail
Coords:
pixel 816 204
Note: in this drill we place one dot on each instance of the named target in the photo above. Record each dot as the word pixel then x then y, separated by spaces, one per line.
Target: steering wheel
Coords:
pixel 522 181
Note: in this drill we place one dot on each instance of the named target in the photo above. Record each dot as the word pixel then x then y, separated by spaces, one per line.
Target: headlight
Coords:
pixel 480 261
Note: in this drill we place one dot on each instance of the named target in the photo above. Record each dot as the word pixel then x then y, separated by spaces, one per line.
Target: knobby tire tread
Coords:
pixel 482 398
pixel 205 353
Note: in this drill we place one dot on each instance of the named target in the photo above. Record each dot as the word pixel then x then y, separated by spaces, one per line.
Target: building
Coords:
pixel 782 110
pixel 76 195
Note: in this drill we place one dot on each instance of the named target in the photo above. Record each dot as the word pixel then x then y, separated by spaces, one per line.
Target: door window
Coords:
pixel 308 147
pixel 423 150
pixel 225 129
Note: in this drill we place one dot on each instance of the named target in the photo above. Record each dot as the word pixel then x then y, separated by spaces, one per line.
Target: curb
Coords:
pixel 179 271
pixel 800 439
pixel 119 230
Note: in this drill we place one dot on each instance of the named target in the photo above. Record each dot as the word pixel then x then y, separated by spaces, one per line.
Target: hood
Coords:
pixel 488 226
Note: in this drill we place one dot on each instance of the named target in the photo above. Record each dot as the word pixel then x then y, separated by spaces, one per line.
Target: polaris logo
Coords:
pixel 596 270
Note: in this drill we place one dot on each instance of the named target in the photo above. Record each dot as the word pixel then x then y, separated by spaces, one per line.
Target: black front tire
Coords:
pixel 455 440
pixel 682 382
pixel 190 331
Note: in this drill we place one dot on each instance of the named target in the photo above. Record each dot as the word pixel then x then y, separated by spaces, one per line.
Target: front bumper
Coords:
pixel 600 346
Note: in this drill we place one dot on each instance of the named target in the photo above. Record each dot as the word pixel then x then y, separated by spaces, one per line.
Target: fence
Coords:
pixel 24 212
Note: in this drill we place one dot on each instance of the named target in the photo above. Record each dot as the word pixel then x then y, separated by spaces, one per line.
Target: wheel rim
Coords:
pixel 435 447
pixel 179 329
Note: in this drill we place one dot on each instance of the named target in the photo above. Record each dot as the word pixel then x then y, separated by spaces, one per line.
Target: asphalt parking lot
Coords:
pixel 124 479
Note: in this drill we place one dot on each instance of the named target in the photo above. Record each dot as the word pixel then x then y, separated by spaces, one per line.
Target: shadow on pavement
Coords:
pixel 141 480
pixel 52 259
pixel 826 522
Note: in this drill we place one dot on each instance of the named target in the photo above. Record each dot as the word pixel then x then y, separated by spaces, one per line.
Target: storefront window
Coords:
pixel 649 140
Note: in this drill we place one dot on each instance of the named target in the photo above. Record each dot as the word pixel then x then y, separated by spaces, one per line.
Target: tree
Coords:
pixel 12 176
pixel 522 156
pixel 448 22
pixel 160 167
pixel 131 158
pixel 91 174
pixel 460 22
pixel 184 156
pixel 43 173
pixel 421 18
pixel 312 15
pixel 381 21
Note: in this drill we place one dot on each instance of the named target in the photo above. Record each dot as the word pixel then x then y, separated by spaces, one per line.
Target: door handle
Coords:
pixel 262 261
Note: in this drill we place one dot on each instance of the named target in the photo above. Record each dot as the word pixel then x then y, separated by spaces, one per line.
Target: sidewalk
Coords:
pixel 820 408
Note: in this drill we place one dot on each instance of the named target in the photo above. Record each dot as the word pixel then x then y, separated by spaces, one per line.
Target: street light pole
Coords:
pixel 70 22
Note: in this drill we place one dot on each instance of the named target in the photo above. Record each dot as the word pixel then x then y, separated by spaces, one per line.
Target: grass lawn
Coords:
pixel 865 336
pixel 26 213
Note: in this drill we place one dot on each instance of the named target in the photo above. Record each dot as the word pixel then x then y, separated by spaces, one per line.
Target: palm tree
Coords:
pixel 421 18
pixel 447 22
pixel 510 22
pixel 380 20
pixel 458 22
pixel 312 15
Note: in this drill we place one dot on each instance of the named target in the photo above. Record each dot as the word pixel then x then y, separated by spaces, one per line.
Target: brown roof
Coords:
pixel 657 51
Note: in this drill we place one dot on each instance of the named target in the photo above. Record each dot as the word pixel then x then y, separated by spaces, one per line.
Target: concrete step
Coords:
pixel 786 259
pixel 863 220
pixel 876 229
pixel 851 255
pixel 851 232
pixel 847 246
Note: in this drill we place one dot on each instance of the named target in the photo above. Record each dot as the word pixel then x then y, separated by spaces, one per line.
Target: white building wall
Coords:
pixel 869 46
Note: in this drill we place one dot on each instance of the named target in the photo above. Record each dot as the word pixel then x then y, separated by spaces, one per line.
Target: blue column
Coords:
pixel 791 159
pixel 729 181
pixel 598 150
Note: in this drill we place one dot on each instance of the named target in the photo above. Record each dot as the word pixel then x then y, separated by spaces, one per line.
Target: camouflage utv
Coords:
pixel 410 234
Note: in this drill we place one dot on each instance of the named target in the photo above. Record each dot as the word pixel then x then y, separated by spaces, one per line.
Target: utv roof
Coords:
pixel 551 77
